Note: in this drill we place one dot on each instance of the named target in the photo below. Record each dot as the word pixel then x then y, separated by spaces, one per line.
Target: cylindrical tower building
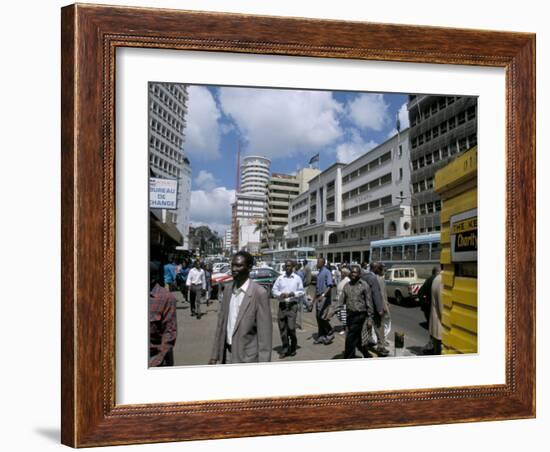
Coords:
pixel 255 175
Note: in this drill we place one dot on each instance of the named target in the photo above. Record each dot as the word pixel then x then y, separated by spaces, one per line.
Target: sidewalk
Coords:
pixel 195 336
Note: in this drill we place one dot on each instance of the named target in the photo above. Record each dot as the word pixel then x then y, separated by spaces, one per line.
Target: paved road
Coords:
pixel 195 336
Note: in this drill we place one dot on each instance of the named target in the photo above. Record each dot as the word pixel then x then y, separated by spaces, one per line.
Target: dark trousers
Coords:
pixel 355 321
pixel 184 291
pixel 287 326
pixel 436 345
pixel 195 298
pixel 323 326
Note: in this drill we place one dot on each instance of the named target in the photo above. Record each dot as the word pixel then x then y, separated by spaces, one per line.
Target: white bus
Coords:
pixel 419 251
pixel 296 254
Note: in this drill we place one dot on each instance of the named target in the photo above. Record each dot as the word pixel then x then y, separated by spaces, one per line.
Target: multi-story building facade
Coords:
pixel 348 205
pixel 227 240
pixel 281 190
pixel 167 160
pixel 441 127
pixel 249 208
pixel 255 173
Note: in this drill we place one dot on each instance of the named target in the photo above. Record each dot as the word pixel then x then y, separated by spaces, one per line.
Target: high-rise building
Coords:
pixel 281 190
pixel 227 240
pixel 441 127
pixel 167 160
pixel 249 208
pixel 255 175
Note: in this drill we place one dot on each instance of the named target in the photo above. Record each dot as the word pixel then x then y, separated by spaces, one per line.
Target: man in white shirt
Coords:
pixel 196 282
pixel 244 330
pixel 288 289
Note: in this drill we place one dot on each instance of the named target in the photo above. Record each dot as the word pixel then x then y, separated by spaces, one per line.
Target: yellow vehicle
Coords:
pixel 456 183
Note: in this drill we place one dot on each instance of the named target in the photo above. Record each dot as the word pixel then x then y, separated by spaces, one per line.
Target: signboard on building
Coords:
pixel 464 236
pixel 163 193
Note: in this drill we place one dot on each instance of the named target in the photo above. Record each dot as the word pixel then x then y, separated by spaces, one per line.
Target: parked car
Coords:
pixel 219 281
pixel 402 284
pixel 221 267
pixel 279 267
pixel 264 276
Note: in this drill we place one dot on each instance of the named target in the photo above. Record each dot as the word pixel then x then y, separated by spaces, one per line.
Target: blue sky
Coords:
pixel 288 126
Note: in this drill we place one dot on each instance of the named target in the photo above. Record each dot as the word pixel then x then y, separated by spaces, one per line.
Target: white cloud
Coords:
pixel 281 123
pixel 353 148
pixel 212 207
pixel 368 111
pixel 403 115
pixel 202 131
pixel 205 180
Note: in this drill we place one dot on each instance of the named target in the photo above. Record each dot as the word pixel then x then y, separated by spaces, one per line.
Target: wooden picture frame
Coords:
pixel 90 36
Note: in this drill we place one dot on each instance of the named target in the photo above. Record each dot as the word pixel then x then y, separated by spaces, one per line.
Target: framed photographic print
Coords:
pixel 250 202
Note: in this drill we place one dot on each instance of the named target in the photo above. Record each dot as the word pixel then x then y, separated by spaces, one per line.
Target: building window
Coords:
pixel 386 200
pixel 452 123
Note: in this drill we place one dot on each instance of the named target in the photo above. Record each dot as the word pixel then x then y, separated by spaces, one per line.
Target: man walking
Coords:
pixel 196 281
pixel 208 278
pixel 288 289
pixel 382 320
pixel 359 311
pixel 162 320
pixel 244 329
pixel 322 301
pixel 170 273
pixel 425 295
pixel 181 278
pixel 340 308
pixel 367 275
pixel 307 284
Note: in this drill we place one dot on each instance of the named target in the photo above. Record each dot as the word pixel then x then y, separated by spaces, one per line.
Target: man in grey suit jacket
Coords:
pixel 244 329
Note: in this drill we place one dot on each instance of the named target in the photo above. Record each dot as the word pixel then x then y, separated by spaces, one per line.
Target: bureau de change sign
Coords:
pixel 464 236
pixel 163 193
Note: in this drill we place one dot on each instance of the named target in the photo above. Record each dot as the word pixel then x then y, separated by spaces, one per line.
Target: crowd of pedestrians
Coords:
pixel 355 295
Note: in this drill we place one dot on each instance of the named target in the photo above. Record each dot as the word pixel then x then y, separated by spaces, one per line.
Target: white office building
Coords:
pixel 349 205
pixel 227 240
pixel 167 160
pixel 249 209
pixel 255 175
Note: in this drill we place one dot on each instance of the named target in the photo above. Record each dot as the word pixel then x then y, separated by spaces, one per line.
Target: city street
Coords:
pixel 195 336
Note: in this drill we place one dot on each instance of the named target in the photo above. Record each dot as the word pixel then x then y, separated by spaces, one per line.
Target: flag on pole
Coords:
pixel 398 125
pixel 314 159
